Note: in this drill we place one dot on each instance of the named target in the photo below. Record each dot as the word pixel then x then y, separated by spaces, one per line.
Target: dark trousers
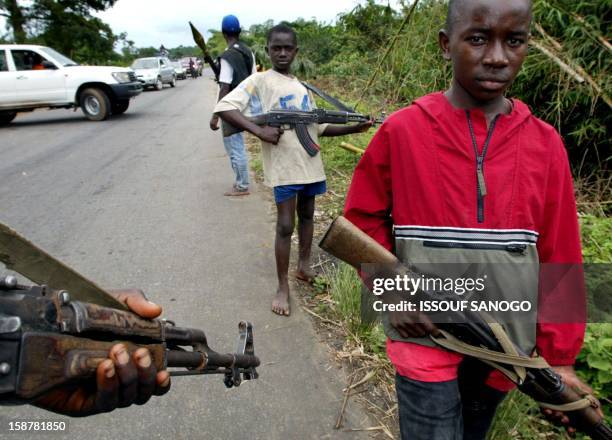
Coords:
pixel 460 409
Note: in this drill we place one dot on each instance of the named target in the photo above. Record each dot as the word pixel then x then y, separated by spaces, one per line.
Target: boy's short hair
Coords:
pixel 282 28
pixel 453 14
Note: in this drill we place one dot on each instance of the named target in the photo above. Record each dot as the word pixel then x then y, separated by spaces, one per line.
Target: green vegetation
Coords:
pixel 572 33
pixel 595 360
pixel 596 238
pixel 345 290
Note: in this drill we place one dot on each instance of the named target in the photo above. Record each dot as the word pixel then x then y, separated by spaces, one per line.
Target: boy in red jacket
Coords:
pixel 468 169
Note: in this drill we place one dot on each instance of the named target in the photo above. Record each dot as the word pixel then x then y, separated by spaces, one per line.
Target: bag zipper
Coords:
pixel 481 187
pixel 512 248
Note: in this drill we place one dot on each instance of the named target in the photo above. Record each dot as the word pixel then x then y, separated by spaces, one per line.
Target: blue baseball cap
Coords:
pixel 230 24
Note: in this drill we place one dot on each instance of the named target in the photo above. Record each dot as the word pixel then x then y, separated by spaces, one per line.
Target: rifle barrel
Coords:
pixel 211 360
pixel 318 116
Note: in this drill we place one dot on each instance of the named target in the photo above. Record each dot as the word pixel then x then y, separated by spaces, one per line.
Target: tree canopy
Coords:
pixel 66 25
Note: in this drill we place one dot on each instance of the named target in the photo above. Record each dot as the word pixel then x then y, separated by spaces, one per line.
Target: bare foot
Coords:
pixel 307 275
pixel 280 303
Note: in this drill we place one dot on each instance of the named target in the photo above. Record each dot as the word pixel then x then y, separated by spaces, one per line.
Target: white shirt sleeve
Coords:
pixel 254 69
pixel 239 98
pixel 226 75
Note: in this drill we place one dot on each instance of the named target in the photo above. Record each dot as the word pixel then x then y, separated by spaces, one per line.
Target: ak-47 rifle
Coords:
pixel 299 120
pixel 199 40
pixel 353 246
pixel 52 337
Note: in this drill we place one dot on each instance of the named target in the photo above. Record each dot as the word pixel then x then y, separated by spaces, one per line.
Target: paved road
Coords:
pixel 137 201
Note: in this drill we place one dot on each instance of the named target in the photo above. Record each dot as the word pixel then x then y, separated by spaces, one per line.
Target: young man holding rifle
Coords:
pixel 296 176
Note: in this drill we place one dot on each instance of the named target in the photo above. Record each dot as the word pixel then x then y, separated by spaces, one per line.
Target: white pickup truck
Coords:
pixel 37 76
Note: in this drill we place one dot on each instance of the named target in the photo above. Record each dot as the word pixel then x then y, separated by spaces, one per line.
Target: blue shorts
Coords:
pixel 283 193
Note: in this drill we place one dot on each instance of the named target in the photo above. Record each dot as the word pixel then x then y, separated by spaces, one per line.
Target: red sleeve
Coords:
pixel 368 201
pixel 559 339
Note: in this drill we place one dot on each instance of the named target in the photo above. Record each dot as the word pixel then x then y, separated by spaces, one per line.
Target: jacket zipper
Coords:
pixel 512 248
pixel 481 186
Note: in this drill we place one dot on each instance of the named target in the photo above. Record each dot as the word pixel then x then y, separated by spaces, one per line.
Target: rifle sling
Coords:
pixel 330 99
pixel 583 403
pixel 516 373
pixel 494 358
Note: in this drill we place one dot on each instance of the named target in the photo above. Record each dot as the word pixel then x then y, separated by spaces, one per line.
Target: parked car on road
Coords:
pixel 179 71
pixel 34 76
pixel 154 72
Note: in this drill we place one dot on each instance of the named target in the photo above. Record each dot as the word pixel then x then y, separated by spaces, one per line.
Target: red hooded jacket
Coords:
pixel 420 169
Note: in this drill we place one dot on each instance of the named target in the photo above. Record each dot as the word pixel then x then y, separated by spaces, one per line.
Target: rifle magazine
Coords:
pixel 311 147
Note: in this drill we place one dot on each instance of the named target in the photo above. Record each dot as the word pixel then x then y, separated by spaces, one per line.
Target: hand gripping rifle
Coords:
pixel 353 246
pixel 51 337
pixel 199 40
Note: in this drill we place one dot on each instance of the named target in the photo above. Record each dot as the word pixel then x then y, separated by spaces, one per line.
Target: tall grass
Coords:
pixel 345 290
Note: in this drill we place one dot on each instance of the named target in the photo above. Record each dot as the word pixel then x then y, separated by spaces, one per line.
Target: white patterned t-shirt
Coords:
pixel 287 163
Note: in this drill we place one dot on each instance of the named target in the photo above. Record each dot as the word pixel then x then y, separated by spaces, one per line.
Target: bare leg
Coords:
pixel 305 211
pixel 285 222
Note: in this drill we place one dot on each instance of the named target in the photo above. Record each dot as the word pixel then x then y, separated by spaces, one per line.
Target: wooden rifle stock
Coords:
pixel 350 244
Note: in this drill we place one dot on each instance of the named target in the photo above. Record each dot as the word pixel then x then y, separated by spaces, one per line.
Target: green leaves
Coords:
pixel 596 239
pixel 594 364
pixel 574 30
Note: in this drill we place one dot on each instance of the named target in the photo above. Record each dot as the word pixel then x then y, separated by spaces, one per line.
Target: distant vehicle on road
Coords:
pixel 34 76
pixel 194 71
pixel 179 71
pixel 154 72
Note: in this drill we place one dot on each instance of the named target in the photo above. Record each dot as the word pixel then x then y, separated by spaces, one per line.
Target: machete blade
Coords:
pixel 26 258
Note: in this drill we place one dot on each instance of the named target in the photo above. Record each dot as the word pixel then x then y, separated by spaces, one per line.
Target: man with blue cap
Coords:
pixel 237 63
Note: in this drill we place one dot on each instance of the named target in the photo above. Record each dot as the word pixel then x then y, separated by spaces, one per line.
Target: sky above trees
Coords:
pixel 153 22
pixel 150 23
